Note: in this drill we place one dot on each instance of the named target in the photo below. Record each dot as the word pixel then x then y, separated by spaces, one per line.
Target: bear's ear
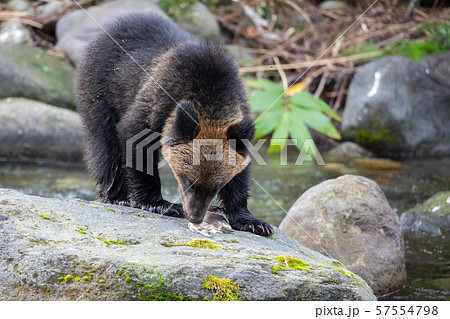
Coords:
pixel 244 130
pixel 185 124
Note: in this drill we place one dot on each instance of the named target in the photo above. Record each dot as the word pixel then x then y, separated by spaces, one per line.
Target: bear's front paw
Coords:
pixel 163 208
pixel 253 225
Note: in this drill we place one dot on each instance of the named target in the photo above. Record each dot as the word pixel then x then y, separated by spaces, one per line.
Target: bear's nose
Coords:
pixel 195 220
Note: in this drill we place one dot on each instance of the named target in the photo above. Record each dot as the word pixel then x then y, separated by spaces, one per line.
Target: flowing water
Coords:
pixel 405 185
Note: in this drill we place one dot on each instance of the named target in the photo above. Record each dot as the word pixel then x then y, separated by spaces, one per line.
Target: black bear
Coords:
pixel 144 73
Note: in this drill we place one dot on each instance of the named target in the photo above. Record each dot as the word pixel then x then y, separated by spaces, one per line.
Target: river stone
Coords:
pixel 32 73
pixel 400 108
pixel 199 21
pixel 429 218
pixel 51 249
pixel 350 218
pixel 14 32
pixel 76 29
pixel 347 151
pixel 33 129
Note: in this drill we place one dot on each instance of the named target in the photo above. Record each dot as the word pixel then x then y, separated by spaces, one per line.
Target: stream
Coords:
pixel 427 259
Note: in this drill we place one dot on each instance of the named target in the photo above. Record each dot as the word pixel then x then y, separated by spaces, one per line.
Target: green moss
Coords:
pixel 120 272
pixel 157 293
pixel 336 263
pixel 234 241
pixel 47 218
pixel 110 209
pixel 77 279
pixel 350 275
pixel 113 242
pixel 439 204
pixel 127 278
pixel 286 262
pixel 86 278
pixel 260 258
pixel 202 243
pixel 119 242
pixel 66 278
pixel 81 231
pixel 222 289
pixel 94 206
pixel 377 136
pixel 101 281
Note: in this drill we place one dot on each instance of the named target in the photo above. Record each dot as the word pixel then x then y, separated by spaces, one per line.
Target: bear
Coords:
pixel 144 73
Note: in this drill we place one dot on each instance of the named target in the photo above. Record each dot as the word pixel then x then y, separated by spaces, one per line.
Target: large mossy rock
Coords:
pixel 350 219
pixel 31 129
pixel 400 108
pixel 52 249
pixel 34 74
pixel 429 218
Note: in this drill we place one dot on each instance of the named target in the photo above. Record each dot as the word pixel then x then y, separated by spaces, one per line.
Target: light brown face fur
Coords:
pixel 199 177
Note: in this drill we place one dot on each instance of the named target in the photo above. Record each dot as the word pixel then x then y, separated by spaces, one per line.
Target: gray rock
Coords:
pixel 333 5
pixel 14 32
pixel 19 5
pixel 347 151
pixel 65 250
pixel 400 108
pixel 199 21
pixel 429 218
pixel 34 74
pixel 240 55
pixel 36 130
pixel 51 7
pixel 350 218
pixel 76 29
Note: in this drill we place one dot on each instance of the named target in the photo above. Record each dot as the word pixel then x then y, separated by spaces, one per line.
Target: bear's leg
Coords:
pixel 234 198
pixel 104 159
pixel 144 187
pixel 145 190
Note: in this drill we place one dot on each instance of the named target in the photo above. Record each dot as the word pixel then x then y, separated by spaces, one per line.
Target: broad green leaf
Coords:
pixel 307 100
pixel 297 129
pixel 318 121
pixel 281 132
pixel 266 85
pixel 262 100
pixel 267 122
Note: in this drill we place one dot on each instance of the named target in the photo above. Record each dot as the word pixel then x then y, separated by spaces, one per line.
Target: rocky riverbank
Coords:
pixel 76 250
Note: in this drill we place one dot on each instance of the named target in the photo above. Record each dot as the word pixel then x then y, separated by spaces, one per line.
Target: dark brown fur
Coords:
pixel 180 87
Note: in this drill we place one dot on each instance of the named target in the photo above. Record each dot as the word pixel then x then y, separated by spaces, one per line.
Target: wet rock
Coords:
pixel 64 250
pixel 399 108
pixel 429 218
pixel 76 29
pixel 350 219
pixel 348 151
pixel 199 21
pixel 32 73
pixel 14 32
pixel 36 130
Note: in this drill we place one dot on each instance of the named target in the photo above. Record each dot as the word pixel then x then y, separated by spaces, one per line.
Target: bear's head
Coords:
pixel 204 155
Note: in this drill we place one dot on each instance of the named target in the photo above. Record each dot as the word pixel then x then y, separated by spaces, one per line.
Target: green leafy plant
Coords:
pixel 438 33
pixel 289 116
pixel 437 40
